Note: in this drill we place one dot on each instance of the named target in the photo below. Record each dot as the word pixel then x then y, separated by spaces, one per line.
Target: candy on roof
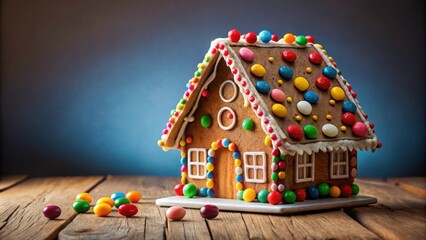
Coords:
pixel 292 85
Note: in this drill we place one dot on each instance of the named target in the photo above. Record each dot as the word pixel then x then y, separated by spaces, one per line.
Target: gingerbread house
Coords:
pixel 267 114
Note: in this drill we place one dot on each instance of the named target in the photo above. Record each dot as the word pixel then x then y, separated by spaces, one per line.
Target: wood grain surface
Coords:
pixel 9 181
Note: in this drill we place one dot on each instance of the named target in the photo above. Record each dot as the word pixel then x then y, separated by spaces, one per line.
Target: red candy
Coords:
pixel 295 131
pixel 288 56
pixel 315 58
pixel 274 197
pixel 251 37
pixel 300 195
pixel 209 211
pixel 348 118
pixel 127 210
pixel 310 39
pixel 322 83
pixel 359 129
pixel 274 38
pixel 179 189
pixel 52 211
pixel 234 35
pixel 345 190
pixel 281 165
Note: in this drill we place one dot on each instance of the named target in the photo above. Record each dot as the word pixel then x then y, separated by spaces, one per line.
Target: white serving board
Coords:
pixel 257 207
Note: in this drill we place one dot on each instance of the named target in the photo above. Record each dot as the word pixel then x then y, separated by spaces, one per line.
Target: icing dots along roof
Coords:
pixel 302 99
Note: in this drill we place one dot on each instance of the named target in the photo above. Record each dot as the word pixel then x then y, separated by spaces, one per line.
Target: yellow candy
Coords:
pixel 289 99
pixel 271 59
pixel 318 46
pixel 281 175
pixel 239 186
pixel 330 59
pixel 298 118
pixel 289 38
pixel 214 146
pixel 314 117
pixel 210 167
pixel 209 183
pixel 102 209
pixel 279 110
pixel 334 192
pixel 184 175
pixel 268 141
pixel 165 148
pixel 160 143
pixel 308 70
pixel 280 82
pixel 183 154
pixel 343 128
pixel 106 200
pixel 301 83
pixel 249 195
pixel 329 117
pixel 84 196
pixel 258 70
pixel 183 180
pixel 337 93
pixel 325 52
pixel 332 102
pixel 237 162
pixel 182 143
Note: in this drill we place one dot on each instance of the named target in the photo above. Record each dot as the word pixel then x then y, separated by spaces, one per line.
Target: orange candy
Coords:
pixel 84 196
pixel 134 196
pixel 289 38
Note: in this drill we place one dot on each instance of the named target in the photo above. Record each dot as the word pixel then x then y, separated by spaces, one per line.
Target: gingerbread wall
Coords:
pixel 246 140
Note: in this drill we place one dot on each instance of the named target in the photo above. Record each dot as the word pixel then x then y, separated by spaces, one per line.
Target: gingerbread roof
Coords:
pixel 303 101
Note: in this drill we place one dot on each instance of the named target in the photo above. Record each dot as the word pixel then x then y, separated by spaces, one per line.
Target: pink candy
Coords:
pixel 359 129
pixel 246 54
pixel 277 95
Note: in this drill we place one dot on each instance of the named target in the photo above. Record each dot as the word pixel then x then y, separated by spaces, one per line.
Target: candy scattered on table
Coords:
pixel 84 196
pixel 175 213
pixel 106 200
pixel 134 196
pixel 102 209
pixel 117 195
pixel 81 206
pixel 209 211
pixel 52 211
pixel 127 210
pixel 120 201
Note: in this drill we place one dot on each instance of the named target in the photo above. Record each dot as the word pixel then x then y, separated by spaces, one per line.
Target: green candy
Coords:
pixel 323 189
pixel 262 196
pixel 190 190
pixel 276 159
pixel 301 40
pixel 283 156
pixel 81 206
pixel 207 59
pixel 289 197
pixel 248 124
pixel 182 101
pixel 240 194
pixel 274 176
pixel 355 189
pixel 120 201
pixel 310 131
pixel 206 121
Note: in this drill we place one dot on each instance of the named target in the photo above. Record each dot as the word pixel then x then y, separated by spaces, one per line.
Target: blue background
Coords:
pixel 87 86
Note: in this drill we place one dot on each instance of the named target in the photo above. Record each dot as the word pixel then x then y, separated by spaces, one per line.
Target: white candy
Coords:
pixel 330 130
pixel 281 187
pixel 211 153
pixel 304 107
pixel 238 170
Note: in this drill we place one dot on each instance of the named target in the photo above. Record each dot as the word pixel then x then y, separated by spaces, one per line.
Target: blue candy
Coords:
pixel 312 192
pixel 349 106
pixel 263 87
pixel 311 97
pixel 210 192
pixel 265 36
pixel 210 159
pixel 329 72
pixel 117 195
pixel 203 192
pixel 183 161
pixel 285 72
pixel 236 155
pixel 239 178
pixel 225 142
pixel 210 175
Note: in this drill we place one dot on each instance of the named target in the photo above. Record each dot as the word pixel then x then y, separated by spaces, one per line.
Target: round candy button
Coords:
pixel 209 211
pixel 52 211
pixel 128 210
pixel 246 54
pixel 175 213
pixel 120 201
pixel 102 209
pixel 288 56
pixel 315 58
pixel 278 95
pixel 295 131
pixel 134 196
pixel 81 206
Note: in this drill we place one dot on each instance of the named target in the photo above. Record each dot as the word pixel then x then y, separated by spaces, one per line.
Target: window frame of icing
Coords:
pixel 197 163
pixel 304 165
pixel 336 161
pixel 255 167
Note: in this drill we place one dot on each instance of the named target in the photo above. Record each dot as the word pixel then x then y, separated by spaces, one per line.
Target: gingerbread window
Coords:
pixel 339 167
pixel 255 167
pixel 305 168
pixel 197 163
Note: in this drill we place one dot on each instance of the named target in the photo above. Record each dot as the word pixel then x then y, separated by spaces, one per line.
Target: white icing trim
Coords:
pixel 219 118
pixel 255 167
pixel 197 163
pixel 221 91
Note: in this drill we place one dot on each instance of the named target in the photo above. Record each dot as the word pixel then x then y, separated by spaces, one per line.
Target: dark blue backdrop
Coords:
pixel 87 86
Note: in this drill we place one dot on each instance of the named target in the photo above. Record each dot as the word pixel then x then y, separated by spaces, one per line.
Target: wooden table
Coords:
pixel 399 214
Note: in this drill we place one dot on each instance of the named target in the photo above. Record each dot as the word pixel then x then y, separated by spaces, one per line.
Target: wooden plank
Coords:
pixel 21 206
pixel 9 181
pixel 316 225
pixel 148 223
pixel 193 226
pixel 399 214
pixel 415 185
pixel 228 225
